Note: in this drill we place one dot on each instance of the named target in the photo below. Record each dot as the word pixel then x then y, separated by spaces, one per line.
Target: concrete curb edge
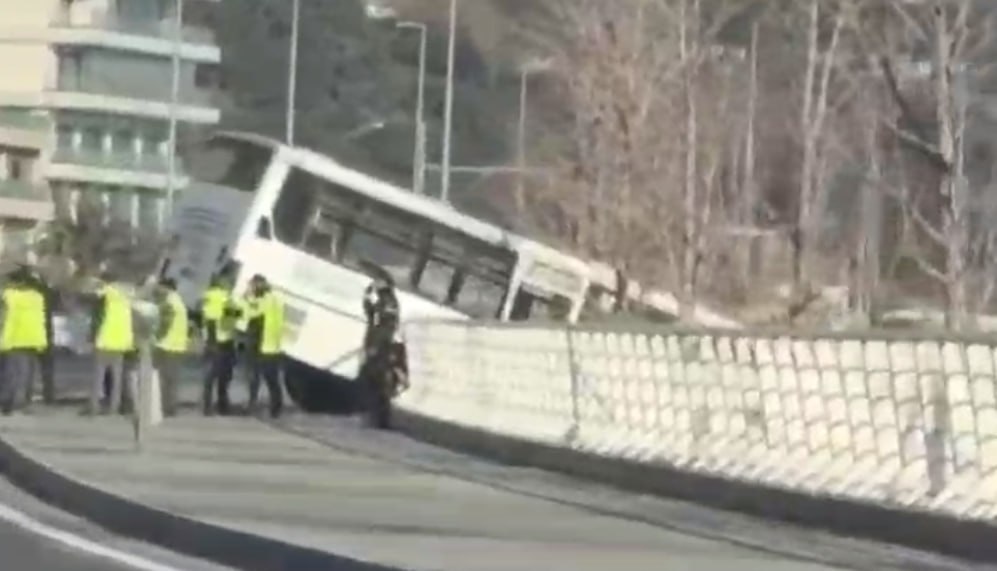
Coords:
pixel 191 537
pixel 965 539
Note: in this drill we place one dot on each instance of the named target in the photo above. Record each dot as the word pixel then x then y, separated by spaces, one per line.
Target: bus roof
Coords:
pixel 423 206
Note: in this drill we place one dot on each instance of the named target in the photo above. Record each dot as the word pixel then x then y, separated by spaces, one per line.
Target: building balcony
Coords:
pixel 117 169
pixel 153 38
pixel 110 103
pixel 23 129
pixel 24 200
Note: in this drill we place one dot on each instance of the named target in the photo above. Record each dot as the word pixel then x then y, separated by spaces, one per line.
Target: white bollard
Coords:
pixel 150 402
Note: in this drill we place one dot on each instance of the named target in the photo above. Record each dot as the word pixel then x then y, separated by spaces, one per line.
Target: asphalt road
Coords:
pixel 35 536
pixel 24 551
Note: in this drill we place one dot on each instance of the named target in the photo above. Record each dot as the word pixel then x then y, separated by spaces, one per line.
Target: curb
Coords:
pixel 921 530
pixel 191 537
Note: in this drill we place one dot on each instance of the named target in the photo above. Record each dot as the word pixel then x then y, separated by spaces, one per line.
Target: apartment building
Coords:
pixel 85 105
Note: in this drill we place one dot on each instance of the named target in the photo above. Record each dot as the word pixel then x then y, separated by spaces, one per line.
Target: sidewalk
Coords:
pixel 244 475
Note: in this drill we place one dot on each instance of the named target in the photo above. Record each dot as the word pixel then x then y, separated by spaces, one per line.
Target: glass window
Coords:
pixel 122 201
pixel 480 298
pixel 92 141
pixel 64 138
pixel 149 208
pixel 229 162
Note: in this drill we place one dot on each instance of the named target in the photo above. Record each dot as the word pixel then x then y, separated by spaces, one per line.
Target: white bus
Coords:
pixel 315 229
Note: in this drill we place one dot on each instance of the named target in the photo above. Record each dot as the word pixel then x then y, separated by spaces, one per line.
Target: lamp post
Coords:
pixel 292 74
pixel 530 67
pixel 448 112
pixel 419 158
pixel 364 130
pixel 171 151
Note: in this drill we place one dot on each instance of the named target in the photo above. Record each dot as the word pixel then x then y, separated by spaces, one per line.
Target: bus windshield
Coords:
pixel 229 162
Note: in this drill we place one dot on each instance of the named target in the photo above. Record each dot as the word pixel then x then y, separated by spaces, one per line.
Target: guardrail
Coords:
pixel 898 420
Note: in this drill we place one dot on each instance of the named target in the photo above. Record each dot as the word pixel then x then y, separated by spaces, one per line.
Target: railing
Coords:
pixel 903 420
pixel 159 28
pixel 150 163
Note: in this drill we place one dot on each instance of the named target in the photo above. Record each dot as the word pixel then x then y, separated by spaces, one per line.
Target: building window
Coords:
pixel 65 138
pixel 91 141
pixel 121 205
pixel 16 165
pixel 150 211
pixel 206 76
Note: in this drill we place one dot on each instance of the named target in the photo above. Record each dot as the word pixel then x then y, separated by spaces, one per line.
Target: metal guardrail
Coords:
pixel 895 418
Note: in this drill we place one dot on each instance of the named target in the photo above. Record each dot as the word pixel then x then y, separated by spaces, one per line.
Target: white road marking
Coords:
pixel 78 543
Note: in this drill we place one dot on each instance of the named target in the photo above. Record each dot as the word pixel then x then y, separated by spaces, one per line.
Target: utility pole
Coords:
pixel 448 113
pixel 419 158
pixel 171 151
pixel 292 72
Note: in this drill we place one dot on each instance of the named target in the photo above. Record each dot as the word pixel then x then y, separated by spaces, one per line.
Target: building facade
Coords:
pixel 86 105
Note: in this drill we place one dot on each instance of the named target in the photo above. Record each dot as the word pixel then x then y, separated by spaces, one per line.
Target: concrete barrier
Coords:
pixel 892 435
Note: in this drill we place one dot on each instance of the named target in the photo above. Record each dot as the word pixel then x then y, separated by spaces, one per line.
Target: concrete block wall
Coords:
pixel 903 422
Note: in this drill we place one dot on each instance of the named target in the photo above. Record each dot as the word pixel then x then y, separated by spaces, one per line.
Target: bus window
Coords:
pixel 229 162
pixel 294 208
pixel 465 274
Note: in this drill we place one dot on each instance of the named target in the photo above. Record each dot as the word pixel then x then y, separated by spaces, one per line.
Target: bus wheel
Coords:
pixel 315 391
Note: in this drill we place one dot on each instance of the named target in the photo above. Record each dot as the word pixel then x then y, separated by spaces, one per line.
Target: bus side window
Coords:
pixel 263 229
pixel 522 306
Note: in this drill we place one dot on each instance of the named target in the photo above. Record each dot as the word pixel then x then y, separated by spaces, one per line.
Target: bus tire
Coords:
pixel 320 392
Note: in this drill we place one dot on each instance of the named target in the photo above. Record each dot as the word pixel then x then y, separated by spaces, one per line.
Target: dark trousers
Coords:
pixel 267 368
pixel 46 369
pixel 19 369
pixel 221 366
pixel 377 389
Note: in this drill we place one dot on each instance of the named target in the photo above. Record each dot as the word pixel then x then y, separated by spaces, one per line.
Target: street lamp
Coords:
pixel 292 74
pixel 364 130
pixel 419 158
pixel 171 152
pixel 448 112
pixel 530 67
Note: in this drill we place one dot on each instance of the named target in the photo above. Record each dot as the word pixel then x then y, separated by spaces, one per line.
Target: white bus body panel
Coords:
pixel 324 320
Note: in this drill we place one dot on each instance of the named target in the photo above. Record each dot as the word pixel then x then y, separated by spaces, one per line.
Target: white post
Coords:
pixel 171 151
pixel 448 112
pixel 419 158
pixel 292 75
pixel 521 144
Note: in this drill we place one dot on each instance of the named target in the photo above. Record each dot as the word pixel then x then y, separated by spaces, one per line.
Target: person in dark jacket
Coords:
pixel 382 372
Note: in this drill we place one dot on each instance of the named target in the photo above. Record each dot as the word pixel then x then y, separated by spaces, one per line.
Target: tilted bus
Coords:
pixel 315 228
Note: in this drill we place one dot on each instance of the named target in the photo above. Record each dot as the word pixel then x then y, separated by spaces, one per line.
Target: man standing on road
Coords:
pixel 21 338
pixel 46 357
pixel 114 336
pixel 269 317
pixel 171 344
pixel 220 322
pixel 381 373
pixel 250 325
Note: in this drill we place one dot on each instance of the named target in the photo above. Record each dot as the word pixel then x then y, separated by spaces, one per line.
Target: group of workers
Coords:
pixel 247 329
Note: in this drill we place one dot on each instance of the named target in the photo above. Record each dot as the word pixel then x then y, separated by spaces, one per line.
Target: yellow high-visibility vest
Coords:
pixel 272 310
pixel 250 309
pixel 115 333
pixel 31 324
pixel 175 338
pixel 12 312
pixel 213 305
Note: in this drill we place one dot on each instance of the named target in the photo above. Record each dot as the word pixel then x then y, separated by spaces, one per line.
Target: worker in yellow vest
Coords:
pixel 250 326
pixel 221 316
pixel 22 338
pixel 113 338
pixel 269 316
pixel 172 340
